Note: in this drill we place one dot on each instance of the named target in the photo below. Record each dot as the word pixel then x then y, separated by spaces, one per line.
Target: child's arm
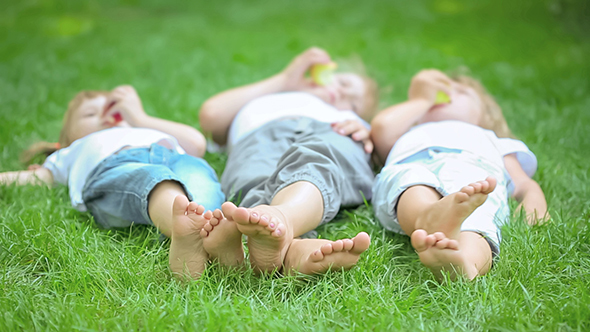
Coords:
pixel 218 112
pixel 37 176
pixel 390 124
pixel 526 191
pixel 128 104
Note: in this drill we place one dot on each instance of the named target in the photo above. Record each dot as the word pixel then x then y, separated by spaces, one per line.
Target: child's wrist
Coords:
pixel 422 103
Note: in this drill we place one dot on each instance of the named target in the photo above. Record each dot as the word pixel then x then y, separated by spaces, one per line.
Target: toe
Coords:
pixel 272 224
pixel 218 214
pixel 327 248
pixel 208 227
pixel 418 240
pixel 254 217
pixel 192 207
pixel 204 233
pixel 316 256
pixel 453 244
pixel 442 244
pixel 469 190
pixel 361 241
pixel 214 221
pixel 485 186
pixel 439 236
pixel 240 215
pixel 280 231
pixel 179 206
pixel 430 240
pixel 228 209
pixel 348 244
pixel 476 187
pixel 492 181
pixel 338 245
pixel 208 215
pixel 264 220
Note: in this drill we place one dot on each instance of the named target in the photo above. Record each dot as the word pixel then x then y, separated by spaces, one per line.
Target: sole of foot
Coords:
pixel 442 255
pixel 188 257
pixel 316 256
pixel 268 236
pixel 222 240
pixel 449 212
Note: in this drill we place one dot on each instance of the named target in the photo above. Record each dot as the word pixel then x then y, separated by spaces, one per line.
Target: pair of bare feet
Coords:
pixel 199 236
pixel 437 235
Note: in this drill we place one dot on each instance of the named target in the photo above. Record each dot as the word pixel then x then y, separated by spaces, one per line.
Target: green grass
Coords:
pixel 58 271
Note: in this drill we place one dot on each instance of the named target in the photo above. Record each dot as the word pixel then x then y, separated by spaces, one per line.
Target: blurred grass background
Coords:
pixel 60 272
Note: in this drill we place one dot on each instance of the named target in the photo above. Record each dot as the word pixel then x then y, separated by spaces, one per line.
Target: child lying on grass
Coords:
pixel 126 167
pixel 298 151
pixel 446 180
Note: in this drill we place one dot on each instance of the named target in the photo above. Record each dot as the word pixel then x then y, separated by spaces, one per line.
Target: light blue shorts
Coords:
pixel 118 189
pixel 447 171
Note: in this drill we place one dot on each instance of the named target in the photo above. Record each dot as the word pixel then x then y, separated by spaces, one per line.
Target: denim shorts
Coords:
pixel 447 171
pixel 117 190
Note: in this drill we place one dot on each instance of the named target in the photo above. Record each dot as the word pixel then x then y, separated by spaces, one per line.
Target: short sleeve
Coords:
pixel 59 164
pixel 526 158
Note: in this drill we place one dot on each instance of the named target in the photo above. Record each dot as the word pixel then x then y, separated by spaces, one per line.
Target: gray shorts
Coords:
pixel 289 150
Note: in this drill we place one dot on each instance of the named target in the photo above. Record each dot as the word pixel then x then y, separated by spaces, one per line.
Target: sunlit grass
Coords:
pixel 58 271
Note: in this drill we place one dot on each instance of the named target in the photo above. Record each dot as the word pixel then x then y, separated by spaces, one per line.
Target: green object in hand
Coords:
pixel 442 98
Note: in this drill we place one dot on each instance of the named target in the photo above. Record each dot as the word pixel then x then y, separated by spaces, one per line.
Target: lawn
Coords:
pixel 58 271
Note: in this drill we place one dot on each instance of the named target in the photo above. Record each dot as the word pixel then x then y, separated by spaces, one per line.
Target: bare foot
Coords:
pixel 449 212
pixel 222 240
pixel 441 254
pixel 187 257
pixel 315 256
pixel 268 235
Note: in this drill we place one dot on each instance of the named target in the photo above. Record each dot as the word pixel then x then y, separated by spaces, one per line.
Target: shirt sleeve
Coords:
pixel 59 163
pixel 526 158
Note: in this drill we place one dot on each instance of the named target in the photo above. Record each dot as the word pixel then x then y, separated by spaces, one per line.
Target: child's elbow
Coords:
pixel 199 146
pixel 207 117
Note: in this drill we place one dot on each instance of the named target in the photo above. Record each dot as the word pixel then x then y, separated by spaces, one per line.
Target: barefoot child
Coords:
pixel 126 167
pixel 297 153
pixel 446 181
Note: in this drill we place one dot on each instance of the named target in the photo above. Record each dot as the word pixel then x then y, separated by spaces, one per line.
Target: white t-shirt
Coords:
pixel 72 165
pixel 260 111
pixel 462 136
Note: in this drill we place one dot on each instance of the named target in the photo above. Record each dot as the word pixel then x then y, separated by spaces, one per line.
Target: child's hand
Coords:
pixel 356 130
pixel 294 75
pixel 427 83
pixel 125 101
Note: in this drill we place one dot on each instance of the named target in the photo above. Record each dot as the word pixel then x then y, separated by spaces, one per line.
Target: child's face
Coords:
pixel 90 117
pixel 465 105
pixel 345 92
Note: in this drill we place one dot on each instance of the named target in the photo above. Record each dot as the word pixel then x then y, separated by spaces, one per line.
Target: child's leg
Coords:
pixel 171 212
pixel 435 226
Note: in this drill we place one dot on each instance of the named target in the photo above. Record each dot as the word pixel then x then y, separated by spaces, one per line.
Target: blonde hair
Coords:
pixel 47 148
pixel 492 117
pixel 354 64
pixel 371 98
